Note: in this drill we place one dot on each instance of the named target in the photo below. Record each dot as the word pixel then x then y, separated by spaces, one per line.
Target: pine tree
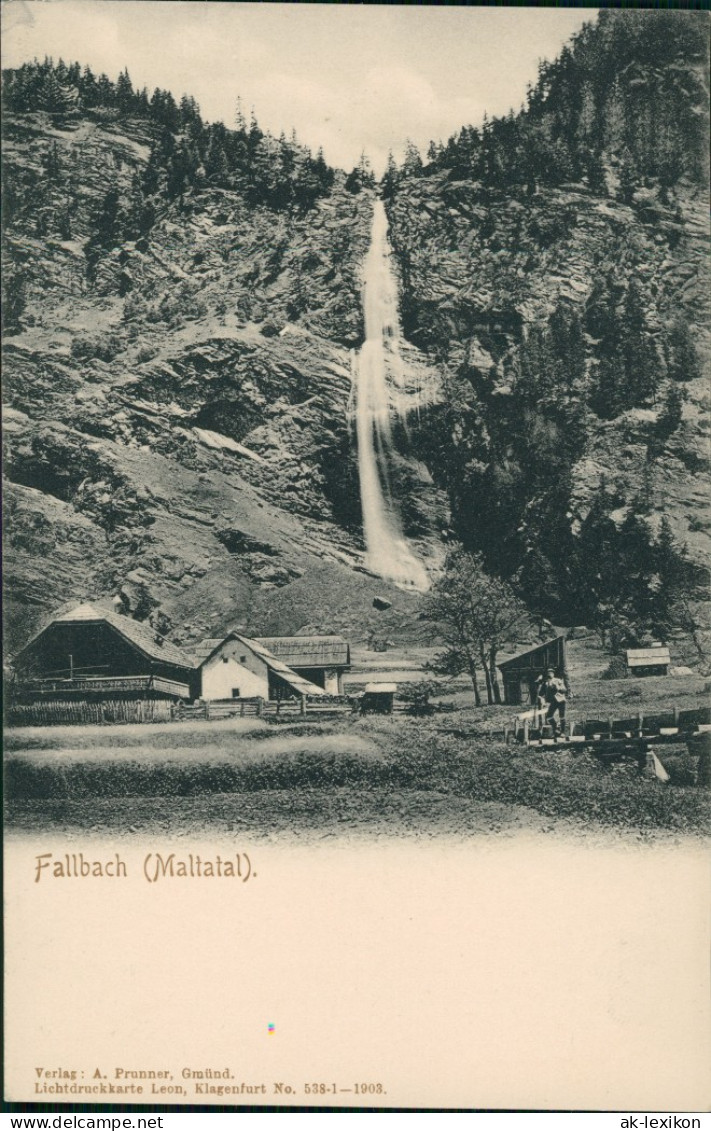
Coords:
pixel 124 92
pixel 53 163
pixel 412 163
pixel 672 412
pixel 390 178
pixel 681 354
pixel 629 177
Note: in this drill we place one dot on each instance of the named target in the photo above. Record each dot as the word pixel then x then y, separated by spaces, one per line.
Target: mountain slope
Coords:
pixel 178 416
pixel 556 263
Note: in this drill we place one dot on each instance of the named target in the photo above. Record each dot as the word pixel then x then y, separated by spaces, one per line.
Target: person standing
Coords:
pixel 554 693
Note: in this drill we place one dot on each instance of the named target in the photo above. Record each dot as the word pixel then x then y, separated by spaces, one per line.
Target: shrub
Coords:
pixel 105 347
pixel 616 669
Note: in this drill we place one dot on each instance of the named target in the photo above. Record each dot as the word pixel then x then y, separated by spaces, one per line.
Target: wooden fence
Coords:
pixel 653 727
pixel 83 712
pixel 62 712
pixel 263 708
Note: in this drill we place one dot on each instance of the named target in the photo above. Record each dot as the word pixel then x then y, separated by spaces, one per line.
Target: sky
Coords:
pixel 347 77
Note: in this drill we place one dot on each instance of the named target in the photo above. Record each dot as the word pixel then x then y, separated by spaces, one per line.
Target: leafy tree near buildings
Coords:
pixel 476 614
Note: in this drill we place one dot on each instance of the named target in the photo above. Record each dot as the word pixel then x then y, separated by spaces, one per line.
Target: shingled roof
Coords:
pixel 142 636
pixel 301 686
pixel 309 651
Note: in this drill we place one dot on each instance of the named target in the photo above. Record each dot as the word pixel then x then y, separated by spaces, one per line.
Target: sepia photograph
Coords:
pixel 357 551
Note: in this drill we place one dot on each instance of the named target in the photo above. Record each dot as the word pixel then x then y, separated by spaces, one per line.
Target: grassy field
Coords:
pixel 446 774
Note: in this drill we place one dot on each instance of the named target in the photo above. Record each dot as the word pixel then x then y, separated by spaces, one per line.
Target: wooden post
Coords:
pixel 676 717
pixel 302 705
pixel 525 732
pixel 278 705
pixel 241 709
pixel 259 706
pixel 703 776
pixel 640 724
pixel 609 727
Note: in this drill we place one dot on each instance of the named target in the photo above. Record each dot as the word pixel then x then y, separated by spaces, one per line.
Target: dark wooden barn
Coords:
pixel 90 652
pixel 519 674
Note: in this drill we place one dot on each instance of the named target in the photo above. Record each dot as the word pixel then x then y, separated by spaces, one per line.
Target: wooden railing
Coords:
pixel 257 707
pixel 655 726
pixel 104 684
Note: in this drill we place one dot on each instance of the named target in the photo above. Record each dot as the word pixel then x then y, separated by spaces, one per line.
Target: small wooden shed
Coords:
pixel 648 661
pixel 519 674
pixel 378 698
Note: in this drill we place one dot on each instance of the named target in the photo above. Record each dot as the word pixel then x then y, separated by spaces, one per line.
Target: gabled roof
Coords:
pixel 301 686
pixel 205 648
pixel 142 636
pixel 647 657
pixel 535 657
pixel 309 651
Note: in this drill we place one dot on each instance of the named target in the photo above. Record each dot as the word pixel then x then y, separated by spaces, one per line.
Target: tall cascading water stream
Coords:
pixel 380 393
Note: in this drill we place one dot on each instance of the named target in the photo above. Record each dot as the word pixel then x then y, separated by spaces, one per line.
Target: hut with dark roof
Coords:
pixel 521 674
pixel 91 652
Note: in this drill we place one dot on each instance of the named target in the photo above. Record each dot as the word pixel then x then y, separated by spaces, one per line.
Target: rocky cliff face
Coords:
pixel 178 425
pixel 556 264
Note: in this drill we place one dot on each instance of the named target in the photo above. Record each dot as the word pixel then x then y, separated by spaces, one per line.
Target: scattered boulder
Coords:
pixel 381 604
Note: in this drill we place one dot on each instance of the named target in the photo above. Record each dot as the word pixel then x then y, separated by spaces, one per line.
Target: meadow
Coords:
pixel 447 774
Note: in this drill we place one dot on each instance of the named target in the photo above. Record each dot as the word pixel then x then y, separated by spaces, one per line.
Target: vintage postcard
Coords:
pixel 356 556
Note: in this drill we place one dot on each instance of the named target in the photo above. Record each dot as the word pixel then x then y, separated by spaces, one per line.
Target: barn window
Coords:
pixel 225 659
pixel 235 692
pixel 243 659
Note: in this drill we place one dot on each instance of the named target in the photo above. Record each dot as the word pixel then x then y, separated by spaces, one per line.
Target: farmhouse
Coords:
pixel 93 653
pixel 237 667
pixel 520 673
pixel 648 661
pixel 320 659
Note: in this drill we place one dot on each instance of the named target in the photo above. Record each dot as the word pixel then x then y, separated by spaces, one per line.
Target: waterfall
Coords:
pixel 381 392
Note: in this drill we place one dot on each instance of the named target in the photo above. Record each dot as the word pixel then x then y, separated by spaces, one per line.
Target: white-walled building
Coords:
pixel 237 667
